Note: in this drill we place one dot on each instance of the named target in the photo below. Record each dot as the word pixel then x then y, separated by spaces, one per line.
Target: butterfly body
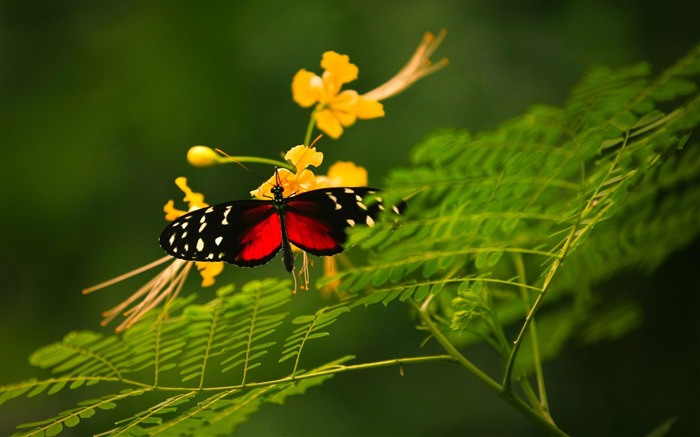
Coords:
pixel 250 232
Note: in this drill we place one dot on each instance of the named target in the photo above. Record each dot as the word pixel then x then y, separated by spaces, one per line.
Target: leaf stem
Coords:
pixel 324 372
pixel 249 343
pixel 539 375
pixel 507 395
pixel 535 306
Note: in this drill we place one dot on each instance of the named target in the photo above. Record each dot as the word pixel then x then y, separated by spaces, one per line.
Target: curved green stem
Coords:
pixel 310 128
pixel 255 159
pixel 537 359
pixel 535 306
pixel 507 395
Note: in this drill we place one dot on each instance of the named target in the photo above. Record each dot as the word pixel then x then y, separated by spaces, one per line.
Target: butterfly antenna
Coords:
pixel 315 141
pixel 240 164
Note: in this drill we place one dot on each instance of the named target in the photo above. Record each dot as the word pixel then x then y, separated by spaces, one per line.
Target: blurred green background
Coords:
pixel 102 99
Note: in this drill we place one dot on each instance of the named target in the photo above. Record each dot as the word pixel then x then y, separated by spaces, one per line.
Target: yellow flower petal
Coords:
pixel 209 270
pixel 329 123
pixel 293 183
pixel 366 108
pixel 339 68
pixel 304 181
pixel 307 88
pixel 171 213
pixel 344 102
pixel 195 200
pixel 302 156
pixel 347 174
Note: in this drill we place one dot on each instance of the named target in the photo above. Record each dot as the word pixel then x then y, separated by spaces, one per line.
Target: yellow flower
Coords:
pixel 194 200
pixel 343 174
pixel 299 181
pixel 335 109
pixel 167 284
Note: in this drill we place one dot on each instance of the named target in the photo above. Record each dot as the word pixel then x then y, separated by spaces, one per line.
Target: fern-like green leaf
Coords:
pixel 557 184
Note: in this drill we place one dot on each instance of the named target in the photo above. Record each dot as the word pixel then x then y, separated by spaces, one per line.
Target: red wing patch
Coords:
pixel 312 234
pixel 260 237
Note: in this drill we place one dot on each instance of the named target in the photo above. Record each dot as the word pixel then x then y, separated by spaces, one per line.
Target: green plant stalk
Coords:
pixel 507 378
pixel 303 341
pixel 253 320
pixel 255 159
pixel 291 378
pixel 501 343
pixel 210 340
pixel 507 395
pixel 310 128
pixel 543 402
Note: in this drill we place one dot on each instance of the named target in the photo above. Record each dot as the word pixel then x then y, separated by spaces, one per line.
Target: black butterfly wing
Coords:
pixel 316 221
pixel 245 232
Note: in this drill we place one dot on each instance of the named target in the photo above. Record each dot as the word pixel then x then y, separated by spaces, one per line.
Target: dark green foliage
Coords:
pixel 606 183
pixel 525 220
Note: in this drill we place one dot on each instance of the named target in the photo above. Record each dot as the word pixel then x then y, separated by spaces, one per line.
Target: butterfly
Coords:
pixel 249 233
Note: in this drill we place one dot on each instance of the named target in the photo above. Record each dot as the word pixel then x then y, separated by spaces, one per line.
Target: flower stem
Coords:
pixel 255 159
pixel 310 128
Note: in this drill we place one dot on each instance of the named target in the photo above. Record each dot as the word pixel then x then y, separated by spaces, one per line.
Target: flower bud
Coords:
pixel 202 156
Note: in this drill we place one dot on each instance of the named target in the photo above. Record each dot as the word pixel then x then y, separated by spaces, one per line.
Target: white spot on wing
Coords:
pixel 395 209
pixel 349 190
pixel 369 221
pixel 200 245
pixel 172 239
pixel 204 225
pixel 362 205
pixel 184 225
pixel 335 201
pixel 351 222
pixel 218 240
pixel 225 220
